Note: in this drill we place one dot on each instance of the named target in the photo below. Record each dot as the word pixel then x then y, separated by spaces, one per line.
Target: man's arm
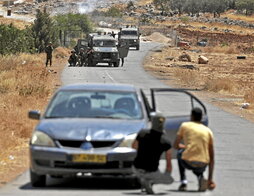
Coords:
pixel 177 143
pixel 168 155
pixel 211 164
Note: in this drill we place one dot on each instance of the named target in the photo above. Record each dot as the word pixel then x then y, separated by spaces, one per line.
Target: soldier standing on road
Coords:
pixel 123 49
pixel 196 152
pixel 150 144
pixel 49 51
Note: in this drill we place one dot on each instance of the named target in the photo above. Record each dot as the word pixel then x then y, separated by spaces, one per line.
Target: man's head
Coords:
pixel 158 122
pixel 50 43
pixel 196 114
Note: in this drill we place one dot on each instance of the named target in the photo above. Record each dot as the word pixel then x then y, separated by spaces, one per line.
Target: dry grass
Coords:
pixel 221 49
pixel 224 74
pixel 221 85
pixel 25 85
pixel 249 96
pixel 189 77
pixel 239 17
pixel 17 23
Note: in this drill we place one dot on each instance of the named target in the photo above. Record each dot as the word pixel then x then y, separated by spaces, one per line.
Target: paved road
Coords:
pixel 234 170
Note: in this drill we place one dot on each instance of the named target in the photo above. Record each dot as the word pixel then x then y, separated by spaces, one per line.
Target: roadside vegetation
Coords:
pixel 25 85
pixel 25 82
pixel 195 7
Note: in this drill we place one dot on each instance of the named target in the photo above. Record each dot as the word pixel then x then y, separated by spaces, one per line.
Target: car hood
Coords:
pixel 129 37
pixel 105 49
pixel 90 129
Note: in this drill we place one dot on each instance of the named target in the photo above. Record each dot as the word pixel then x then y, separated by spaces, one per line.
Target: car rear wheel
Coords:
pixel 137 47
pixel 37 180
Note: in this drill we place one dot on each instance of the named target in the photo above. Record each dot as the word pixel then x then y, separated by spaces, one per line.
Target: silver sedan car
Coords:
pixel 89 129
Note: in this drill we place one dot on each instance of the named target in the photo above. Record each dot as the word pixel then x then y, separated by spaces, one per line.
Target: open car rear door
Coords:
pixel 176 106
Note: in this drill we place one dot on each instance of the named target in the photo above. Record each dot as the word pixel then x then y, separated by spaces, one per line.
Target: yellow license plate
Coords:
pixel 89 158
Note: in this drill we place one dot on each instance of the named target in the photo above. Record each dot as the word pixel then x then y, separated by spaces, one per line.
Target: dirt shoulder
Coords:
pixel 16 128
pixel 225 81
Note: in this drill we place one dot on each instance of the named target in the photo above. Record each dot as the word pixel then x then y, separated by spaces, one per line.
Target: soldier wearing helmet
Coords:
pixel 49 51
pixel 73 58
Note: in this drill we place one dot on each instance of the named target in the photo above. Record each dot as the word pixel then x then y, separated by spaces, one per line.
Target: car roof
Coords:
pixel 100 87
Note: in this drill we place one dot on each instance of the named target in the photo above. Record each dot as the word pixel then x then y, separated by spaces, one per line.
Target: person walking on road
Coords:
pixel 49 51
pixel 196 152
pixel 150 144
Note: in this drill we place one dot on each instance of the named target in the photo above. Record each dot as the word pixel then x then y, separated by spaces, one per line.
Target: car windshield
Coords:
pixel 129 33
pixel 90 104
pixel 104 43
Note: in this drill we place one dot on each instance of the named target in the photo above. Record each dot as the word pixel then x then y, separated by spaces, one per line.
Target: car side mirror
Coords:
pixel 34 114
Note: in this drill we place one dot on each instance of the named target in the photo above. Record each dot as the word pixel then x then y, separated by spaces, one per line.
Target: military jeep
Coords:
pixel 81 43
pixel 131 35
pixel 102 49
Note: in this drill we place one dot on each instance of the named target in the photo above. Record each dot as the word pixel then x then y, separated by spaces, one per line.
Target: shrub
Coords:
pixel 189 77
pixel 14 40
pixel 114 12
pixel 221 84
pixel 249 96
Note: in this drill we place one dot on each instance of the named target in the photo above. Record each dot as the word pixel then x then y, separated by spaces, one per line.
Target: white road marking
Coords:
pixel 111 78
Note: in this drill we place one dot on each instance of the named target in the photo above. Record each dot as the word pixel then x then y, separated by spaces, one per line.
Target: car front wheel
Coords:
pixel 37 180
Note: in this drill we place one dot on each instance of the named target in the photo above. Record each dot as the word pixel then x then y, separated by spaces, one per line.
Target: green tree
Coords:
pixel 177 5
pixel 114 12
pixel 231 4
pixel 43 31
pixel 163 5
pixel 73 22
pixel 216 6
pixel 14 40
pixel 193 7
pixel 246 6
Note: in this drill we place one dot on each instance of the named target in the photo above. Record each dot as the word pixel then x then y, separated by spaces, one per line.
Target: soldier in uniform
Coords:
pixel 49 51
pixel 73 58
pixel 123 49
pixel 82 57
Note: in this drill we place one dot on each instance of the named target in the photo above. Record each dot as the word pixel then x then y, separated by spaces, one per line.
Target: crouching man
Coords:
pixel 194 142
pixel 150 144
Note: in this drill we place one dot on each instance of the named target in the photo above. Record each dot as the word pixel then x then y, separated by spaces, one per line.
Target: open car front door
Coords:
pixel 176 106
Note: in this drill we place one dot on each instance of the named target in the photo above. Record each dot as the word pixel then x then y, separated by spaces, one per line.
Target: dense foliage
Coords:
pixel 215 7
pixel 113 12
pixel 14 40
pixel 74 22
pixel 45 29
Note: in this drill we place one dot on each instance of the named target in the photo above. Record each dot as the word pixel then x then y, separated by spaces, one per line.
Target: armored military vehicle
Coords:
pixel 102 49
pixel 81 43
pixel 131 35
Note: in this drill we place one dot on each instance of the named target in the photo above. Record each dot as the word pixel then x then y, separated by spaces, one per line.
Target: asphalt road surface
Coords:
pixel 234 148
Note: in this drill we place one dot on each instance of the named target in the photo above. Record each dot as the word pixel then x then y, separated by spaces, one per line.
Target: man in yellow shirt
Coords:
pixel 196 152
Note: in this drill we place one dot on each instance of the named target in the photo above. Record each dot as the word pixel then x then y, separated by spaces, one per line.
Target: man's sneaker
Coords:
pixel 202 184
pixel 146 186
pixel 182 187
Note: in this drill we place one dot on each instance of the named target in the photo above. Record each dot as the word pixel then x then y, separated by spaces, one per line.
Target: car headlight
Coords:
pixel 134 40
pixel 41 139
pixel 128 140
